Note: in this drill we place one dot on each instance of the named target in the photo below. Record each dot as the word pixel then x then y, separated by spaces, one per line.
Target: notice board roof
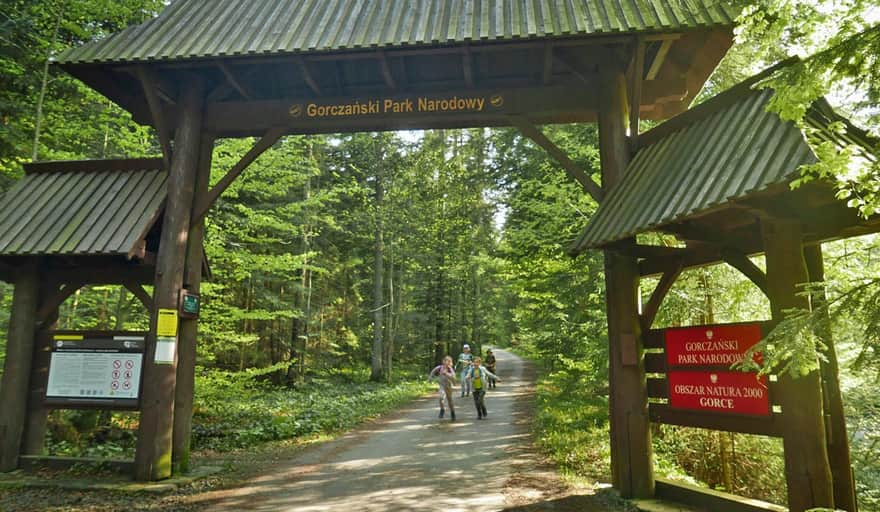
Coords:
pixel 98 207
pixel 192 29
pixel 725 150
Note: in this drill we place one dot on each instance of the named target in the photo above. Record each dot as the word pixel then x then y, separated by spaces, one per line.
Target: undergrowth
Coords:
pixel 238 410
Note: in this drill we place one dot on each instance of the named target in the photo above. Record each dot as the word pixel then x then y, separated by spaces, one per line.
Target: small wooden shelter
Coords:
pixel 267 68
pixel 66 225
pixel 718 177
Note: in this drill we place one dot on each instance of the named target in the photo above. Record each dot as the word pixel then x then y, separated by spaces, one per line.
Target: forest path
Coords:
pixel 412 460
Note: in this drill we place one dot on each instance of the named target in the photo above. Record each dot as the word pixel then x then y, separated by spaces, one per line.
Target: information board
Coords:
pixel 95 370
pixel 711 345
pixel 724 392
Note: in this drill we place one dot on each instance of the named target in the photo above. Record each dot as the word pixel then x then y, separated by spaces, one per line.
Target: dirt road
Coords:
pixel 413 461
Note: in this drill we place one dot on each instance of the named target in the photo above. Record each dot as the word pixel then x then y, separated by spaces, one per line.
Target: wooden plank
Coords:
pixel 41 462
pixel 270 138
pixel 487 106
pixel 153 450
pixel 94 273
pixel 150 84
pixel 662 413
pixel 17 367
pixel 649 313
pixel 573 170
pixel 710 499
pixel 807 468
pixel 654 338
pixel 192 279
pixel 81 166
pixel 657 388
pixel 655 363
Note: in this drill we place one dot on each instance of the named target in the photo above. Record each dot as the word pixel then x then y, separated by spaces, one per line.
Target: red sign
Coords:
pixel 724 392
pixel 710 345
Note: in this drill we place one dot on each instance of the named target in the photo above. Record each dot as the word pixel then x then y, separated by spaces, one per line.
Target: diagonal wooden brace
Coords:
pixel 538 137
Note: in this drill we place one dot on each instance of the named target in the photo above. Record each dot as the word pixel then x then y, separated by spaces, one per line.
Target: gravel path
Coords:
pixel 409 461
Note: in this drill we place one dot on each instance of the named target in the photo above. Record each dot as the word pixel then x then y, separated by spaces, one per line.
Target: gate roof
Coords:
pixel 101 207
pixel 192 29
pixel 265 61
pixel 710 161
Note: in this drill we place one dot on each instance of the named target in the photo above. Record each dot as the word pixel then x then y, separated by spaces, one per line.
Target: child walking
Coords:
pixel 490 365
pixel 478 376
pixel 445 375
pixel 465 359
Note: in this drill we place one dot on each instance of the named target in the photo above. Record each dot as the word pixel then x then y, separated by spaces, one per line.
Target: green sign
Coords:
pixel 189 304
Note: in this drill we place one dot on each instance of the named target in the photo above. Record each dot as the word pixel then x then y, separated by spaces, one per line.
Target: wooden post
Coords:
pixel 189 327
pixel 807 469
pixel 631 452
pixel 37 413
pixel 17 368
pixel 835 421
pixel 153 453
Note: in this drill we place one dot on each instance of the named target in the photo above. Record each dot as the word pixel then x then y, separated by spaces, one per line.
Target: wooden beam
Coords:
pixel 186 353
pixel 233 81
pixel 649 312
pixel 17 367
pixel 659 58
pixel 261 146
pixel 538 137
pixel 386 70
pixel 150 84
pixel 308 77
pixel 467 63
pixel 648 251
pixel 98 274
pixel 80 166
pixel 631 452
pixel 635 90
pixel 55 299
pixel 556 104
pixel 138 291
pixel 742 263
pixel 155 427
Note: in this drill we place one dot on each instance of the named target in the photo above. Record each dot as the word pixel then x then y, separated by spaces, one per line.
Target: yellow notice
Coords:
pixel 166 327
pixel 68 337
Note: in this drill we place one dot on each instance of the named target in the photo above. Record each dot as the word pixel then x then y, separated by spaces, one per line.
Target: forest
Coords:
pixel 343 266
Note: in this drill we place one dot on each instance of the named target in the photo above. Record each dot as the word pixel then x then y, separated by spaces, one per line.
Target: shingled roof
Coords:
pixel 726 150
pixel 192 29
pixel 101 207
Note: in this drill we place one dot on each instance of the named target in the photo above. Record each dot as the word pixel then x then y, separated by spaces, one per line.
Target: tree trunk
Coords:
pixel 44 83
pixel 377 370
pixel 835 420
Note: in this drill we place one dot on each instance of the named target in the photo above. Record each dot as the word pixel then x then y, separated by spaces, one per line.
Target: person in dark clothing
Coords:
pixel 490 365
